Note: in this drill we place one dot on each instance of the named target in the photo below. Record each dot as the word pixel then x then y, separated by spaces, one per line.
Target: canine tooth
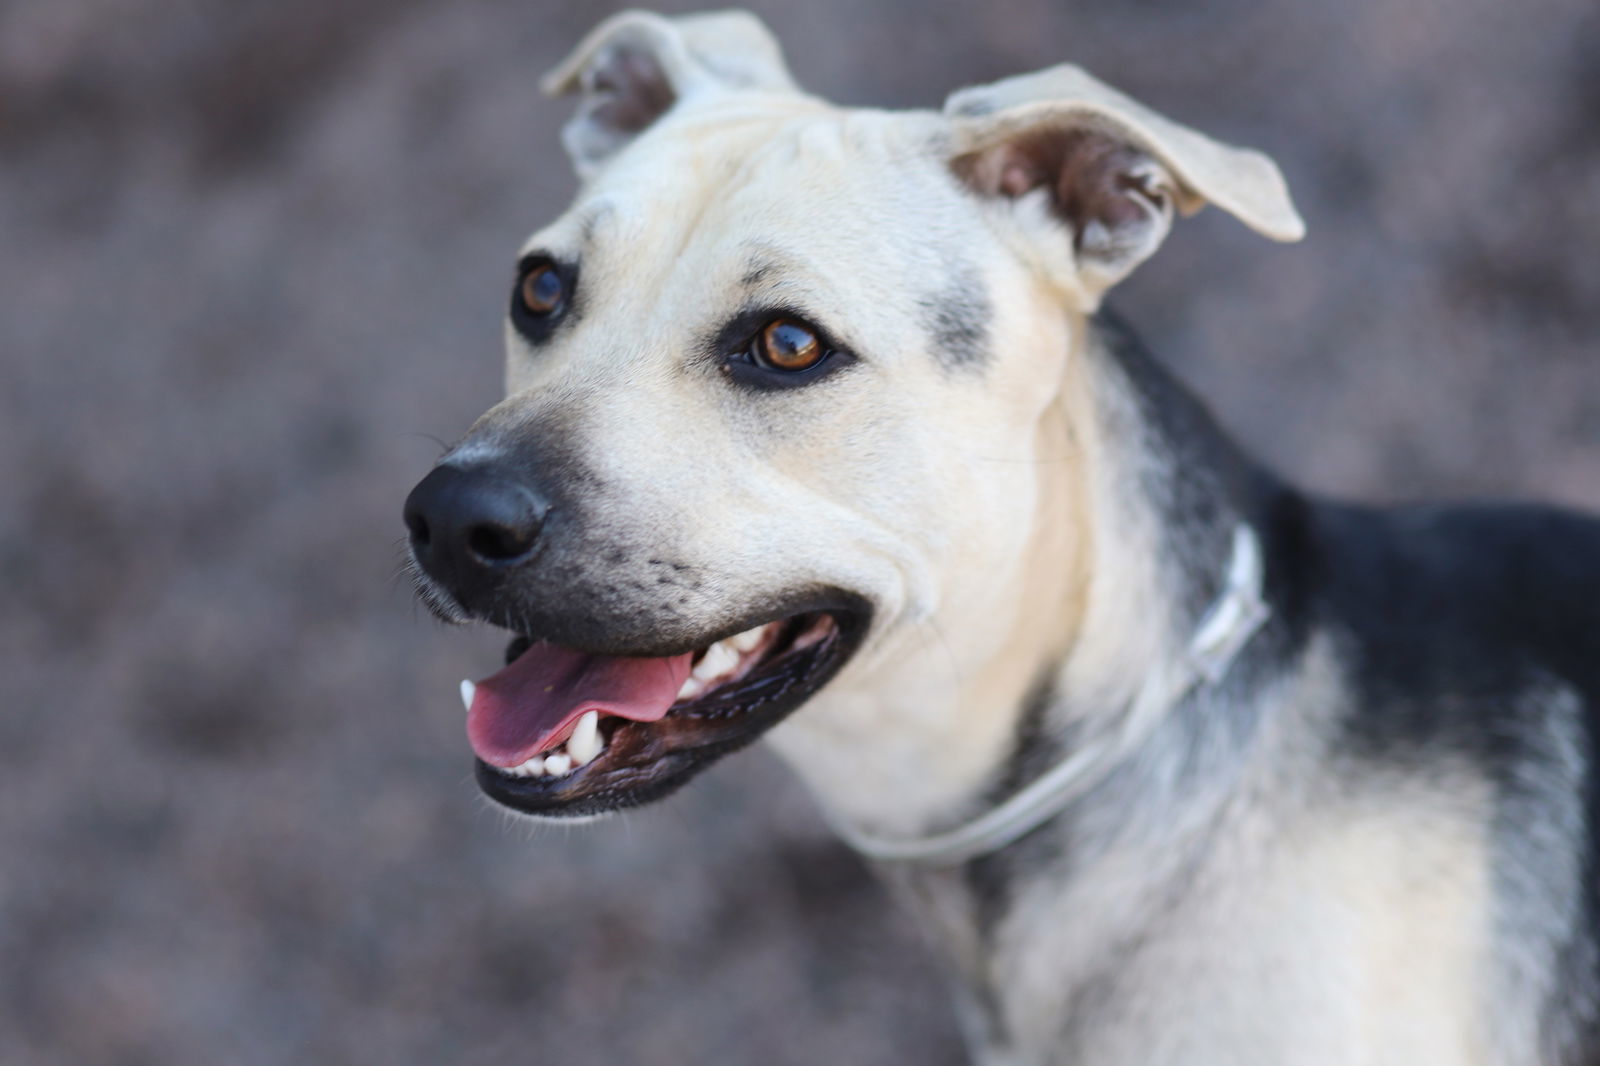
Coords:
pixel 584 744
pixel 558 764
pixel 467 689
pixel 748 640
pixel 691 688
pixel 718 660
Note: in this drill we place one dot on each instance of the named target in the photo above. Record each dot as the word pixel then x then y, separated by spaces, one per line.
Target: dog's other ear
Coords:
pixel 1113 170
pixel 635 66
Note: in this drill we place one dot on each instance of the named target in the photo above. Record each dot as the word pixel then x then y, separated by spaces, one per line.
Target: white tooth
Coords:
pixel 691 688
pixel 718 660
pixel 558 764
pixel 467 689
pixel 748 640
pixel 724 651
pixel 584 744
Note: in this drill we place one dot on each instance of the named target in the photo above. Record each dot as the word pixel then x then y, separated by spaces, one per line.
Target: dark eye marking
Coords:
pixel 542 296
pixel 757 271
pixel 774 348
pixel 957 321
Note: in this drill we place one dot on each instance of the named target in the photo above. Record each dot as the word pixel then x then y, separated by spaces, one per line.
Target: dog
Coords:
pixel 815 415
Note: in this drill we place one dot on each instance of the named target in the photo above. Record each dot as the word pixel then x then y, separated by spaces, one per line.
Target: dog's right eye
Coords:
pixel 541 297
pixel 542 290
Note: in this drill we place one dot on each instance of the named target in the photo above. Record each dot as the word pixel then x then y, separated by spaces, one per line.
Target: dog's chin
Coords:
pixel 782 661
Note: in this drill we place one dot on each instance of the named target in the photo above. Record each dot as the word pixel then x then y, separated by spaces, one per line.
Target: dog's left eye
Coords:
pixel 787 345
pixel 775 349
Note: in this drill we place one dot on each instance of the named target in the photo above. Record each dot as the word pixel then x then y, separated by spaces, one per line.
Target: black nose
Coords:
pixel 467 523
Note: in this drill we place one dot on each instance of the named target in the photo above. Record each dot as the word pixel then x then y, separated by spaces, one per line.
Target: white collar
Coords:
pixel 1232 619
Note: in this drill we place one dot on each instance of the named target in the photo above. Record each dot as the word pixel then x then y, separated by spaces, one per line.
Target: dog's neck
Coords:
pixel 1140 498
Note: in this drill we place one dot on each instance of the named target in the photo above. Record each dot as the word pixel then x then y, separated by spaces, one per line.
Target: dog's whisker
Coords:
pixel 444 447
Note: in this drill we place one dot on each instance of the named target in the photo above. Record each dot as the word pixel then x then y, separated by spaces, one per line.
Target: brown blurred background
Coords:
pixel 253 261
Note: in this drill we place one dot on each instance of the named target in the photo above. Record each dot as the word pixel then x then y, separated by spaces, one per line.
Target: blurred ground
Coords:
pixel 253 260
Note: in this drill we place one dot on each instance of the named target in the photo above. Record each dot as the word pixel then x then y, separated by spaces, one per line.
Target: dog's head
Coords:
pixel 776 387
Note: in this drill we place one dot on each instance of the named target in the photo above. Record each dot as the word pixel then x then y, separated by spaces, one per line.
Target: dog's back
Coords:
pixel 1472 635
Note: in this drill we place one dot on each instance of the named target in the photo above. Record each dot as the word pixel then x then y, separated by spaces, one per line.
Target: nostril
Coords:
pixel 466 521
pixel 493 542
pixel 418 527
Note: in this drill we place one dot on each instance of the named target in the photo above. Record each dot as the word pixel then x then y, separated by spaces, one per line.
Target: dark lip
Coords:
pixel 644 762
pixel 610 634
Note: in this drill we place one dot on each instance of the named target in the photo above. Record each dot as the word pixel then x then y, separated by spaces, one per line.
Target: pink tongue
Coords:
pixel 531 704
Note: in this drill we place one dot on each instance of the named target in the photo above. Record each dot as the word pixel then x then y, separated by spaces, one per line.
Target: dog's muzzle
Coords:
pixel 611 695
pixel 470 526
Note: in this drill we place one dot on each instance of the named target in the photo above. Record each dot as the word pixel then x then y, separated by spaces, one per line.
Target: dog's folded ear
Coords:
pixel 635 66
pixel 1111 169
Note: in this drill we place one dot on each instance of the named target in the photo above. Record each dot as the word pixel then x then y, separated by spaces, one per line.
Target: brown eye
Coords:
pixel 543 290
pixel 785 344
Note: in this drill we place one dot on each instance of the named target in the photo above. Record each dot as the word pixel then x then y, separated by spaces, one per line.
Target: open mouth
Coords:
pixel 563 732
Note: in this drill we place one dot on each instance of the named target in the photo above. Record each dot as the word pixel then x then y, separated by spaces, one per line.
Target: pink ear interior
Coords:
pixel 1092 176
pixel 634 88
